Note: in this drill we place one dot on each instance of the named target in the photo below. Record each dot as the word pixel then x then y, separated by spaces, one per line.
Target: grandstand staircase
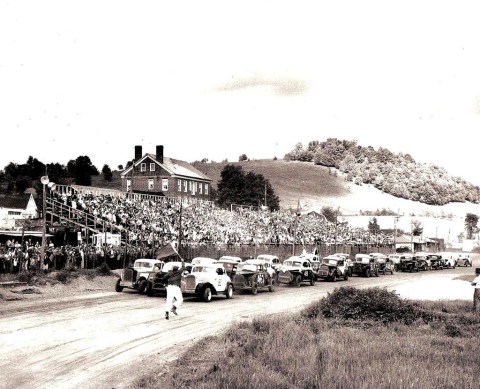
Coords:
pixel 58 211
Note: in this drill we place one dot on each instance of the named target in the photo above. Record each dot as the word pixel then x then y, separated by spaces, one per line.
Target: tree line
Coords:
pixel 396 174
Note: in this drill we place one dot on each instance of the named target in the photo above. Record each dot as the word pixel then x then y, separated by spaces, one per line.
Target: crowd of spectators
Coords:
pixel 203 223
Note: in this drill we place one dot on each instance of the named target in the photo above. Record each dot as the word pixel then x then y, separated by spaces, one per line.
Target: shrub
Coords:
pixel 103 270
pixel 66 275
pixel 373 304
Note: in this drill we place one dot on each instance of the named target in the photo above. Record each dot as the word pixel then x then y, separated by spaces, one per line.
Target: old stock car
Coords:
pixel 136 277
pixel 207 280
pixel 253 275
pixel 157 281
pixel 296 270
pixel 333 267
pixel 385 265
pixel 365 265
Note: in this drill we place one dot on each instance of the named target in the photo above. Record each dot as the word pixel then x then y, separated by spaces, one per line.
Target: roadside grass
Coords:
pixel 50 283
pixel 427 345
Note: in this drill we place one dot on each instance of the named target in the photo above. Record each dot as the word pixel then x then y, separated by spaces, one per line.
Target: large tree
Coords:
pixel 82 170
pixel 471 221
pixel 107 173
pixel 238 187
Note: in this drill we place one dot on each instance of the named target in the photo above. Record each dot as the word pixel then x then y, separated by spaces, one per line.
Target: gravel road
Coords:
pixel 102 340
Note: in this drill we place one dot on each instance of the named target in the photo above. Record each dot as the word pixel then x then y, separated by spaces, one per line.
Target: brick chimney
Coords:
pixel 159 154
pixel 138 153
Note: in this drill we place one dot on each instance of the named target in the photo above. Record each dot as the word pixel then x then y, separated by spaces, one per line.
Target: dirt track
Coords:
pixel 102 340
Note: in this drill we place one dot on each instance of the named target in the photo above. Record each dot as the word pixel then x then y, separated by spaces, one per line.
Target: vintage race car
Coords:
pixel 272 259
pixel 207 280
pixel 231 258
pixel 436 262
pixel 296 270
pixel 157 282
pixel 252 275
pixel 365 265
pixel 229 265
pixel 136 277
pixel 463 260
pixel 384 264
pixel 396 259
pixel 348 261
pixel 409 263
pixel 314 261
pixel 333 267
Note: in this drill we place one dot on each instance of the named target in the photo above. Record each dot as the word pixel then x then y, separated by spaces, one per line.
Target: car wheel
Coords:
pixel 254 289
pixel 367 273
pixel 334 277
pixel 142 286
pixel 345 277
pixel 118 287
pixel 229 291
pixel 149 290
pixel 312 280
pixel 376 273
pixel 271 287
pixel 298 280
pixel 207 294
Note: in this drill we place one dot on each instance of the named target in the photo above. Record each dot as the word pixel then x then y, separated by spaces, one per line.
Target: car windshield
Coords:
pixel 247 267
pixel 293 263
pixel 143 264
pixel 200 269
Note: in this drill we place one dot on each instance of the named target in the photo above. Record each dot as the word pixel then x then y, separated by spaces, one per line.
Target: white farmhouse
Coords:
pixel 17 207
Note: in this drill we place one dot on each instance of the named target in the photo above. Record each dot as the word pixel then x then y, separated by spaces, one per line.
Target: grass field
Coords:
pixel 412 345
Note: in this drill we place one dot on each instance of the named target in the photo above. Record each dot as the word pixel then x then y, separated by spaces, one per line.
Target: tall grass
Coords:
pixel 439 349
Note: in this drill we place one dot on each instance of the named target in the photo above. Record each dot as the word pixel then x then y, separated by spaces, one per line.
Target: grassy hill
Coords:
pixel 316 186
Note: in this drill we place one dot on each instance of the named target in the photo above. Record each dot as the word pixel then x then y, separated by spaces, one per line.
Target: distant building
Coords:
pixel 16 207
pixel 159 175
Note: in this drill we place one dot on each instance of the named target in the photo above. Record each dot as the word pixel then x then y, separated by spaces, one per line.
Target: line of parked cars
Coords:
pixel 207 277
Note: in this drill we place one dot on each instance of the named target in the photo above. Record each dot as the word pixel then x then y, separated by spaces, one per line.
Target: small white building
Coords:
pixel 16 207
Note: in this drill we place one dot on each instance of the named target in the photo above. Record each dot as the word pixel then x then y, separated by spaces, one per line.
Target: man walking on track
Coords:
pixel 174 294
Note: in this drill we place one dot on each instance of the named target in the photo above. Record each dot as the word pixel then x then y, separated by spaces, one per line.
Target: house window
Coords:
pixel 206 189
pixel 143 167
pixel 190 186
pixel 179 182
pixel 200 187
pixel 165 184
pixel 185 186
pixel 129 185
pixel 194 187
pixel 152 167
pixel 14 213
pixel 150 184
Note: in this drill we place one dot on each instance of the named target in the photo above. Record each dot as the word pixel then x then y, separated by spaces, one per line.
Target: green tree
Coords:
pixel 236 187
pixel 107 173
pixel 82 170
pixel 471 221
pixel 373 226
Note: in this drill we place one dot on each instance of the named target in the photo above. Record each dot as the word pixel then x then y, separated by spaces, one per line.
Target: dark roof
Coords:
pixel 173 166
pixel 16 202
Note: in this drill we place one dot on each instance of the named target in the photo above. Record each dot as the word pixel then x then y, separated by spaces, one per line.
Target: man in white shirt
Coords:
pixel 476 293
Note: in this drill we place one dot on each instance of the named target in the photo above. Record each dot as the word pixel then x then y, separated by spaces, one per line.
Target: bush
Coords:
pixel 373 304
pixel 103 270
pixel 66 275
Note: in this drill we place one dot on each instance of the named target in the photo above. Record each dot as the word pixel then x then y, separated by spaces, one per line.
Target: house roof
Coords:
pixel 14 202
pixel 174 166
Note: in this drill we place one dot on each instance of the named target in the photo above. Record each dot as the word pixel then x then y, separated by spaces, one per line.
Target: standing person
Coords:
pixel 476 293
pixel 174 294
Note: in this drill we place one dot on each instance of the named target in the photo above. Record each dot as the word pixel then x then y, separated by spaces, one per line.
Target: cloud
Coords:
pixel 282 86
pixel 476 105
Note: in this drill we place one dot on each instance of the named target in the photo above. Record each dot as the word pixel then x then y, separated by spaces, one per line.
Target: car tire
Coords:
pixel 271 287
pixel 149 291
pixel 298 280
pixel 377 273
pixel 312 280
pixel 142 286
pixel 345 277
pixel 367 273
pixel 229 291
pixel 118 287
pixel 207 294
pixel 254 289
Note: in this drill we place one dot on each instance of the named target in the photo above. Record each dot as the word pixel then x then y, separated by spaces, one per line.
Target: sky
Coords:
pixel 217 79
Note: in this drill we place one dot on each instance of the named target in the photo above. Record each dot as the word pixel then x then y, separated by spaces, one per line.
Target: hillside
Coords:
pixel 314 187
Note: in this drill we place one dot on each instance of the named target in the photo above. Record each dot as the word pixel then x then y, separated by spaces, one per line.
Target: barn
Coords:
pixel 157 174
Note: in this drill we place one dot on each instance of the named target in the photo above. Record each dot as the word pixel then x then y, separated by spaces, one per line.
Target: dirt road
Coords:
pixel 103 340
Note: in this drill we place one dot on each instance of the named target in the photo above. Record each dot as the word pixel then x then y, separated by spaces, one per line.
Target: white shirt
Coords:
pixel 476 282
